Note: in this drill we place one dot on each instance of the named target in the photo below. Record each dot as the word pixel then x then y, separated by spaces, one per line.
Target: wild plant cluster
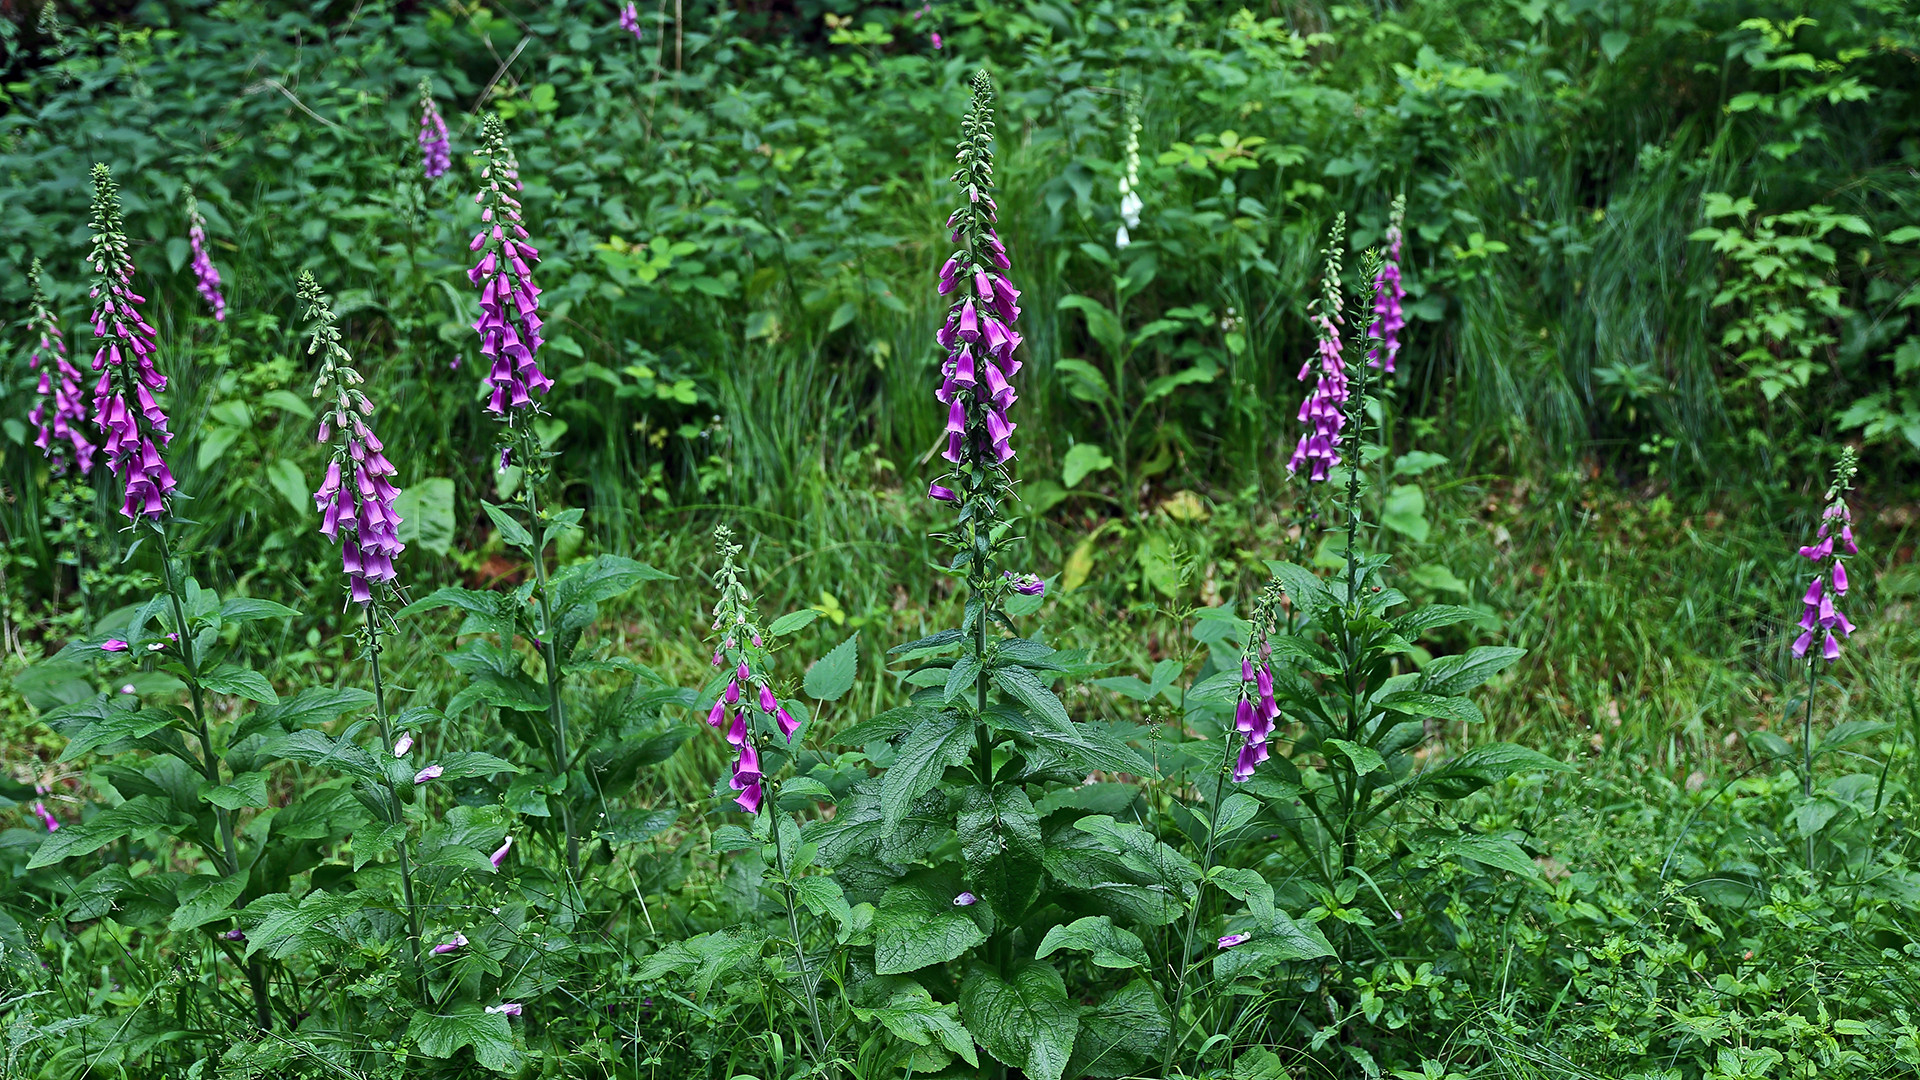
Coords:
pixel 1295 853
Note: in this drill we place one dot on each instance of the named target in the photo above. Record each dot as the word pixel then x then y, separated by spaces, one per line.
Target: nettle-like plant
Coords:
pixel 181 760
pixel 552 610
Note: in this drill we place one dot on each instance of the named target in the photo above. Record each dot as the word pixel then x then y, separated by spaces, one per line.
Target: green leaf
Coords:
pixel 314 705
pixel 964 675
pixel 285 477
pixel 1306 590
pixel 793 622
pixel 1491 851
pixel 205 898
pixel 915 926
pixel 1026 688
pixel 215 440
pixel 1082 461
pixel 511 531
pixel 236 681
pixel 1167 384
pixel 601 578
pixel 940 741
pixel 113 727
pixel 280 926
pixel 823 897
pixel 246 790
pixel 1101 322
pixel 1439 579
pixel 441 1035
pixel 1364 759
pixel 1027 1022
pixel 1452 675
pixel 140 814
pixel 322 750
pixel 941 640
pixel 1123 1034
pixel 1279 941
pixel 1108 946
pixel 1613 43
pixel 912 1015
pixel 831 676
pixel 426 515
pixel 1000 840
pixel 1482 766
pixel 466 763
pixel 1235 812
pixel 1405 511
pixel 1416 462
pixel 247 608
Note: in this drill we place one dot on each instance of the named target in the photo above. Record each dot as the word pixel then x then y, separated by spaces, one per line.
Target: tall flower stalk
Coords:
pixel 206 278
pixel 436 149
pixel 976 387
pixel 59 416
pixel 509 329
pixel 747 703
pixel 1389 295
pixel 135 428
pixel 1130 204
pixel 356 501
pixel 1324 410
pixel 1820 619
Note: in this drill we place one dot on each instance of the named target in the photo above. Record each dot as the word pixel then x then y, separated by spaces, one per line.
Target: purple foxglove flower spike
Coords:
pixel 59 431
pixel 205 277
pixel 124 360
pixel 1324 410
pixel 509 325
pixel 1389 295
pixel 978 335
pixel 1820 618
pixel 356 497
pixel 436 150
pixel 746 778
pixel 630 20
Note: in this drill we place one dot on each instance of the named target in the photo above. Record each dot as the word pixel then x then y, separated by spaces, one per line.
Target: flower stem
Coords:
pixel 549 648
pixel 1806 750
pixel 809 979
pixel 229 852
pixel 1193 912
pixel 400 847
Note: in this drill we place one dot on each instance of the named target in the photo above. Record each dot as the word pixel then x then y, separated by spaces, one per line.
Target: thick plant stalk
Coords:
pixel 400 849
pixel 549 648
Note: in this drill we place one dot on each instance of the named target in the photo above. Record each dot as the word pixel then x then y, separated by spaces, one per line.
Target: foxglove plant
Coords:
pixel 358 512
pixel 1324 410
pixel 183 646
pixel 59 417
pixel 205 277
pixel 1389 295
pixel 1821 620
pixel 124 407
pixel 436 149
pixel 630 20
pixel 740 651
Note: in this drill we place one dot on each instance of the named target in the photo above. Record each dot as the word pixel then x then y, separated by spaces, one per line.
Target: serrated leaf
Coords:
pixel 1279 941
pixel 205 898
pixel 246 790
pixel 511 531
pixel 941 740
pixel 914 927
pixel 912 1015
pixel 1454 675
pixel 1491 851
pixel 240 682
pixel 1107 945
pixel 823 897
pixel 1123 1034
pixel 1363 759
pixel 280 926
pixel 1023 686
pixel 136 815
pixel 110 727
pixel 1027 1022
pixel 1000 840
pixel 832 675
pixel 793 622
pixel 441 1035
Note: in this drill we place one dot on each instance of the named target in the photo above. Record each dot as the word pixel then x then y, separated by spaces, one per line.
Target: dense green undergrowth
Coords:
pixel 1540 803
